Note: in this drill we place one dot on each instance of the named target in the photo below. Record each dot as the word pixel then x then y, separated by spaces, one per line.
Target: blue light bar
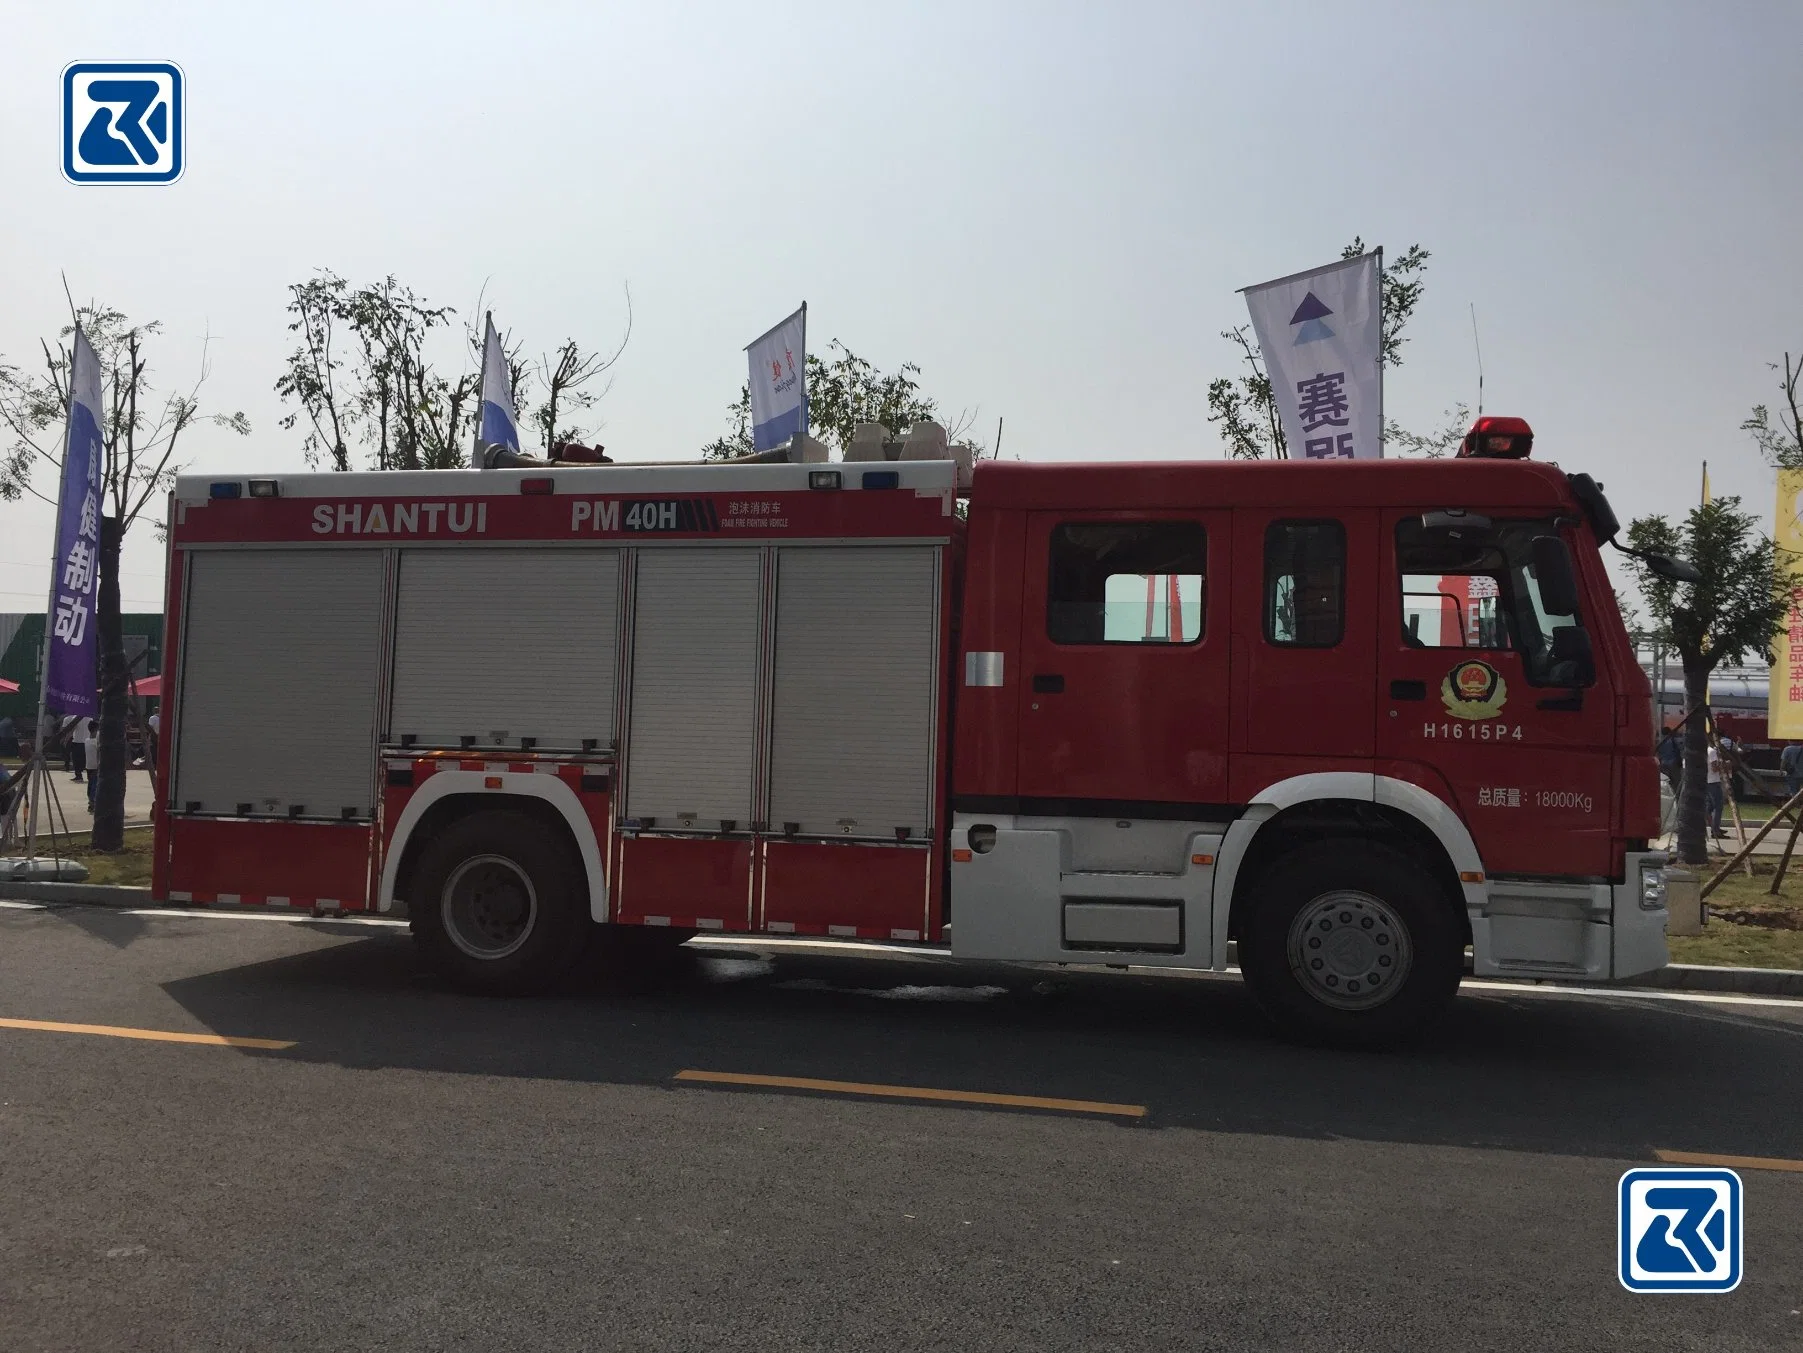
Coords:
pixel 882 479
pixel 225 489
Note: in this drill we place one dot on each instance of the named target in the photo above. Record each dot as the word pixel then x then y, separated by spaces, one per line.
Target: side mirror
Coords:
pixel 1574 661
pixel 1589 494
pixel 1552 570
pixel 1676 570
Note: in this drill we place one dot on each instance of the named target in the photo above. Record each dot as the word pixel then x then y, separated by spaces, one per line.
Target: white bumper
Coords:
pixel 1590 931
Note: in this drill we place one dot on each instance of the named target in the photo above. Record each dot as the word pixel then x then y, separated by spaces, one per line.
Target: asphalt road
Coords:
pixel 421 1170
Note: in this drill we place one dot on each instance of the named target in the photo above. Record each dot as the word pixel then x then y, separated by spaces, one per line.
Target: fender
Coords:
pixel 550 788
pixel 1417 802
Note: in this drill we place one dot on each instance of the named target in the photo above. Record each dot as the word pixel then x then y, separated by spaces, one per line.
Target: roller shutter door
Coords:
pixel 501 645
pixel 856 650
pixel 278 676
pixel 694 686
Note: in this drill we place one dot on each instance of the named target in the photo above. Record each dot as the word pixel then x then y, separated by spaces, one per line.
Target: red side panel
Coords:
pixel 699 884
pixel 300 864
pixel 985 741
pixel 872 892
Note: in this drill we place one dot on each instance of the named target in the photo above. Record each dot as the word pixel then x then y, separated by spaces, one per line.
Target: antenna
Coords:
pixel 1480 360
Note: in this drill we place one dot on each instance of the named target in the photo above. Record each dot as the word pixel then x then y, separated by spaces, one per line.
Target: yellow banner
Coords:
pixel 1784 702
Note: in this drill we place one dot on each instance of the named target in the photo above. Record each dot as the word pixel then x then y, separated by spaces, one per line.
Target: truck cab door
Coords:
pixel 1304 645
pixel 1124 642
pixel 1107 847
pixel 1490 699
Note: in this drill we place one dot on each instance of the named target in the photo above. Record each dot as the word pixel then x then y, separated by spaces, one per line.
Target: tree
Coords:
pixel 138 464
pixel 1243 405
pixel 360 377
pixel 1734 611
pixel 1780 438
pixel 311 378
pixel 842 393
pixel 382 393
pixel 1442 441
pixel 564 379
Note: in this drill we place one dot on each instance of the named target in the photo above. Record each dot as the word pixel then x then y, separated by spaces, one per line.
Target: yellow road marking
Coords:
pixel 914 1092
pixel 150 1035
pixel 1729 1162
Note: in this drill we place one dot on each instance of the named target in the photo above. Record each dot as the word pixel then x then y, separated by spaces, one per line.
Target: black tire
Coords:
pixel 498 904
pixel 1327 929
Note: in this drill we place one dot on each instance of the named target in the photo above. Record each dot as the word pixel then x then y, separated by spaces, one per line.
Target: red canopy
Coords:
pixel 8 687
pixel 150 685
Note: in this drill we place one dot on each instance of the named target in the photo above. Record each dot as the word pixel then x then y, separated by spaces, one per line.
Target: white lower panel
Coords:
pixel 1535 946
pixel 1015 901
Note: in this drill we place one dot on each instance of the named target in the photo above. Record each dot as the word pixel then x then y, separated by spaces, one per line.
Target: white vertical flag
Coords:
pixel 1320 333
pixel 495 421
pixel 779 393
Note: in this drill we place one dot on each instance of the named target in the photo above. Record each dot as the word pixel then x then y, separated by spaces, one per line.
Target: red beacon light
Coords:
pixel 1498 439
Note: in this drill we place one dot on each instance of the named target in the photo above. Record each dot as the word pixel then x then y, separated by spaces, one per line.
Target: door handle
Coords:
pixel 1408 690
pixel 1048 683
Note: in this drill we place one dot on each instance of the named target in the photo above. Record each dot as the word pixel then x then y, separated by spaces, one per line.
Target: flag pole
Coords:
pixel 804 370
pixel 488 322
pixel 1380 352
pixel 40 766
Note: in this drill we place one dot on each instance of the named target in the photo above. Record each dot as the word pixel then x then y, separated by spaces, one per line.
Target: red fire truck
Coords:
pixel 1352 717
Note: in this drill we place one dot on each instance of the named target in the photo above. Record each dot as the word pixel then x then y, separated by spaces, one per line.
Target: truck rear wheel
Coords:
pixel 1349 942
pixel 499 904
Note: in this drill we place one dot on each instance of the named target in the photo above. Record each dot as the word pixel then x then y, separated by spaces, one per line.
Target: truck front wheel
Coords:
pixel 499 904
pixel 1349 942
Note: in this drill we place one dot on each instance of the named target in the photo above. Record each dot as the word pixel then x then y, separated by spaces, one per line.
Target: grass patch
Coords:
pixel 129 867
pixel 1747 926
pixel 1727 945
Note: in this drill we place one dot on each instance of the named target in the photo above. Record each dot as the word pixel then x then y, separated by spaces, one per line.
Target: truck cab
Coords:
pixel 1350 718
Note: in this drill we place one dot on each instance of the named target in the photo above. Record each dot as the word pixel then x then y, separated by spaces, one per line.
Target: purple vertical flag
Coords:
pixel 70 679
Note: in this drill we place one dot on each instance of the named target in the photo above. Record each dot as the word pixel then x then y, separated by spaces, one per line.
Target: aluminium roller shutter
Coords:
pixel 279 666
pixel 857 644
pixel 694 685
pixel 501 644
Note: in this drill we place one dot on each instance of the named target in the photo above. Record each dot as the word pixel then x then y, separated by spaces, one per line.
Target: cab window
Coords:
pixel 1474 588
pixel 1305 583
pixel 1127 583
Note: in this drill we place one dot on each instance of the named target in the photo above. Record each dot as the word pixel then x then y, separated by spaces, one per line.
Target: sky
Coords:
pixel 1048 207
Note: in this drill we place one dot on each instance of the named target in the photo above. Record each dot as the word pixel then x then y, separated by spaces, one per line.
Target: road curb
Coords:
pixel 1673 977
pixel 89 894
pixel 1702 977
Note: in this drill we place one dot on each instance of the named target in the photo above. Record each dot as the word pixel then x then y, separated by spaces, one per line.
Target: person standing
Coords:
pixel 77 731
pixel 1712 791
pixel 92 728
pixel 1671 757
pixel 1790 761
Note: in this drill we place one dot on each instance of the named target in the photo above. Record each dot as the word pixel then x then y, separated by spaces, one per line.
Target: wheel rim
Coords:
pixel 1350 950
pixel 489 906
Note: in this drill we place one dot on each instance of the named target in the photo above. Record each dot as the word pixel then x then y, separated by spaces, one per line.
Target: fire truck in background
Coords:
pixel 1354 717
